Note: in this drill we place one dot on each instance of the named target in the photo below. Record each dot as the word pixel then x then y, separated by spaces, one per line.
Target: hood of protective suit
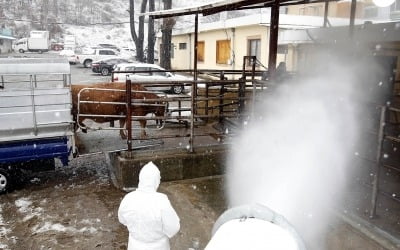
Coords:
pixel 149 177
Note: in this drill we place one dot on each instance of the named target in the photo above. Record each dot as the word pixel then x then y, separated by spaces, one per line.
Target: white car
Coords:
pixel 70 55
pixel 128 53
pixel 155 73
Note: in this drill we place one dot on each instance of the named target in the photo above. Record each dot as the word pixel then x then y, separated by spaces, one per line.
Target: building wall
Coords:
pixel 210 39
pixel 183 58
pixel 5 46
pixel 335 9
pixel 239 39
pixel 315 9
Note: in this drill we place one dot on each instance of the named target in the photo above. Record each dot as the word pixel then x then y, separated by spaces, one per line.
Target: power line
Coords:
pixel 50 23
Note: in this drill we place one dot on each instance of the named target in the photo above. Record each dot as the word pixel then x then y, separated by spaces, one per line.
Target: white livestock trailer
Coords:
pixel 36 124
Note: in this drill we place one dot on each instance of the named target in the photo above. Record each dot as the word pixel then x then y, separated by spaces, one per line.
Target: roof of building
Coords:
pixel 7 37
pixel 366 33
pixel 227 5
pixel 294 22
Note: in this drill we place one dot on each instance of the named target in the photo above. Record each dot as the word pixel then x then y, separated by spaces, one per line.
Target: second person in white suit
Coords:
pixel 148 214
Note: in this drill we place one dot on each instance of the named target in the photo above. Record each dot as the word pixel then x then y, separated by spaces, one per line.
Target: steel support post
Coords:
pixel 129 113
pixel 273 39
pixel 326 9
pixel 375 182
pixel 194 86
pixel 352 16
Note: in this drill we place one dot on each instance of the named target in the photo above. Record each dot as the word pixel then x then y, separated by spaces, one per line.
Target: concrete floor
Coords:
pixel 75 208
pixel 205 198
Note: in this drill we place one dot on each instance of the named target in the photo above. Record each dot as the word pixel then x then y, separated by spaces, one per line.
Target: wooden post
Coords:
pixel 194 86
pixel 326 13
pixel 273 39
pixel 221 98
pixel 352 17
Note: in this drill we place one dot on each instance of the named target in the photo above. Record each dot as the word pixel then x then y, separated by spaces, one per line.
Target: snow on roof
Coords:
pixel 285 22
pixel 224 5
pixel 7 37
pixel 191 10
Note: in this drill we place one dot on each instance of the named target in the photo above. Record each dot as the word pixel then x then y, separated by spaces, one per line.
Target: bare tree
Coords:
pixel 55 7
pixel 166 30
pixel 151 37
pixel 138 38
pixel 44 12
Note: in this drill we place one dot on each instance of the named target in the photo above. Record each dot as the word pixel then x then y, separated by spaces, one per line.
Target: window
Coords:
pixel 182 45
pixel 283 10
pixel 159 73
pixel 105 52
pixel 112 61
pixel 142 69
pixel 223 51
pixel 200 51
pixel 254 47
pixel 172 50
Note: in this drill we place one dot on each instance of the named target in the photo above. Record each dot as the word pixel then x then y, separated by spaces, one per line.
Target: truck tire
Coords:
pixel 5 181
pixel 40 51
pixel 87 63
pixel 21 51
pixel 177 89
pixel 105 71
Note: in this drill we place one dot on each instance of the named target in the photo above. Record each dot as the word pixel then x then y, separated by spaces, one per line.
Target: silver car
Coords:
pixel 154 73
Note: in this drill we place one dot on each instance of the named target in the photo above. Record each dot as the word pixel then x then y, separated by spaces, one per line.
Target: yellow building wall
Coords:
pixel 210 39
pixel 239 37
pixel 182 57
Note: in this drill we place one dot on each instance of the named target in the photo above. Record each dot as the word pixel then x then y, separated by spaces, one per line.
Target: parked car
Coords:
pixel 126 52
pixel 70 55
pixel 155 73
pixel 106 66
pixel 96 55
pixel 108 46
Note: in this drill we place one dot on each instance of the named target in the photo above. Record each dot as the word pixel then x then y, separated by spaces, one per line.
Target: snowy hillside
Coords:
pixel 91 21
pixel 119 34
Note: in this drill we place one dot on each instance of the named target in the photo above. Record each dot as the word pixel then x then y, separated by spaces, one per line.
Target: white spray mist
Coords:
pixel 294 155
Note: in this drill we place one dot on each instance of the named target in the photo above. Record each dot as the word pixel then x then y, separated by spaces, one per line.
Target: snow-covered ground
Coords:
pixel 75 207
pixel 118 35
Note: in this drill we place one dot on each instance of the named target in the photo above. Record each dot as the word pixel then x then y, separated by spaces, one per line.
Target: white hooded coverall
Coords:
pixel 148 215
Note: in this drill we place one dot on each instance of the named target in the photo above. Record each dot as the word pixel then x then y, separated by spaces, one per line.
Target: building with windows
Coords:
pixel 365 9
pixel 223 44
pixel 6 40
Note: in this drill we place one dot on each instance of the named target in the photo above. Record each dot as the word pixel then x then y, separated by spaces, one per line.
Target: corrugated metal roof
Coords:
pixel 294 22
pixel 227 5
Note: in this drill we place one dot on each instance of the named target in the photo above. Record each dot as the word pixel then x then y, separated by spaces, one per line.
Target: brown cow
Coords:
pixel 108 109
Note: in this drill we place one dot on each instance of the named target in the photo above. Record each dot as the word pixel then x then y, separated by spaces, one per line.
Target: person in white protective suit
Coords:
pixel 148 214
